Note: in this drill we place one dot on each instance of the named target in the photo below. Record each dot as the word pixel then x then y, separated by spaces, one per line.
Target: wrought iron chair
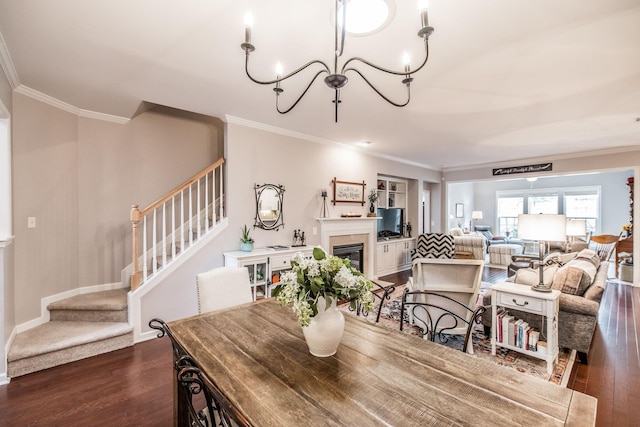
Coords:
pixel 441 298
pixel 223 287
pixel 192 383
pixel 604 245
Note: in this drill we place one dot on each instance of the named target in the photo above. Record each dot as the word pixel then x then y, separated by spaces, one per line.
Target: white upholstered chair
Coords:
pixel 223 287
pixel 441 297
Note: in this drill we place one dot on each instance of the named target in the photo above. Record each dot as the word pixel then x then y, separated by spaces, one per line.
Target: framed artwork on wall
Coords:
pixel 459 210
pixel 348 192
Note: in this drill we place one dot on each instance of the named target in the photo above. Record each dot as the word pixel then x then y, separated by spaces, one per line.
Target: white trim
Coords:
pixel 44 302
pixel 6 63
pixel 286 132
pixel 54 102
pixel 4 380
pixel 135 297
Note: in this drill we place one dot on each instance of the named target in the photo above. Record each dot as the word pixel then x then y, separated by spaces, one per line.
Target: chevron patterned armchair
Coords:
pixel 434 245
pixel 443 246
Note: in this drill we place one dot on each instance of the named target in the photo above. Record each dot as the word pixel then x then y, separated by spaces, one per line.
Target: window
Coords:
pixel 583 205
pixel 509 207
pixel 542 204
pixel 574 202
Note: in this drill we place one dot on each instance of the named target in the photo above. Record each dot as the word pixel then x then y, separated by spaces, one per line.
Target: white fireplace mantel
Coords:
pixel 331 227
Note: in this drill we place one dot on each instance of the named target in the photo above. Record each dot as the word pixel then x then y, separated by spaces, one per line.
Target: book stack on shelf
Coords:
pixel 517 333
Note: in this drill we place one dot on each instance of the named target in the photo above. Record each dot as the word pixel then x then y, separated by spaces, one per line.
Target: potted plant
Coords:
pixel 246 241
pixel 373 198
pixel 313 287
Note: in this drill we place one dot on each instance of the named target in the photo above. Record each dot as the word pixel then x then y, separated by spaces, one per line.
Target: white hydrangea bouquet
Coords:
pixel 325 276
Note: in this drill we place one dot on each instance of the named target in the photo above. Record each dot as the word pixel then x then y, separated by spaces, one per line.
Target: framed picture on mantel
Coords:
pixel 348 192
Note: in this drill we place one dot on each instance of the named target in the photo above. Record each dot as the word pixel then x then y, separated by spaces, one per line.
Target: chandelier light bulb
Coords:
pixel 406 60
pixel 423 5
pixel 248 23
pixel 278 70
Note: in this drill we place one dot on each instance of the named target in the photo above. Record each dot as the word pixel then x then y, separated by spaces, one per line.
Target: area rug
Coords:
pixel 390 318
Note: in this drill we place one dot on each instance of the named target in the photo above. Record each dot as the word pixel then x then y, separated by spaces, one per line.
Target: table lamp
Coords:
pixel 542 228
pixel 475 215
pixel 575 227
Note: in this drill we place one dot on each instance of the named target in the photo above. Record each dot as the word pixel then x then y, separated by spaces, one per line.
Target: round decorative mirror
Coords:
pixel 269 199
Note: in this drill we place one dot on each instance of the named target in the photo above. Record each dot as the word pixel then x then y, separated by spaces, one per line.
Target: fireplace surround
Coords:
pixel 351 231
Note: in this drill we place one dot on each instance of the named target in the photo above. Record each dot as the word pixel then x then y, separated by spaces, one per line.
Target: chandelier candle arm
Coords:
pixel 278 91
pixel 293 73
pixel 406 81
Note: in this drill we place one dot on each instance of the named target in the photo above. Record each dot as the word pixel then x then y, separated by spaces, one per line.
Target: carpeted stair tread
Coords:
pixel 115 299
pixel 54 336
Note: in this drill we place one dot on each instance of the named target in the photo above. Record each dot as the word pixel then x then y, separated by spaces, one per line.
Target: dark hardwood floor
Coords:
pixel 133 386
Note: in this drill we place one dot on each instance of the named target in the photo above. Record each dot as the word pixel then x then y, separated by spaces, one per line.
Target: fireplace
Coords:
pixel 351 231
pixel 354 253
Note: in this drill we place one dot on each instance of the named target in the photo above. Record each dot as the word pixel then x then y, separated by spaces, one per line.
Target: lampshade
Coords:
pixel 542 227
pixel 576 227
pixel 476 215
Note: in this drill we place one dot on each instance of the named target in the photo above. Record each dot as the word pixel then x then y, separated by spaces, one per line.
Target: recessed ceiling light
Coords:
pixel 365 143
pixel 366 17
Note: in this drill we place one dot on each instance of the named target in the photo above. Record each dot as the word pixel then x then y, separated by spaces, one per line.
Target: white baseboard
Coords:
pixel 44 303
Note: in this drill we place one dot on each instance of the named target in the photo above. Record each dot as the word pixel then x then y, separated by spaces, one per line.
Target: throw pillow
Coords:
pixel 590 256
pixel 531 276
pixel 577 275
pixel 456 232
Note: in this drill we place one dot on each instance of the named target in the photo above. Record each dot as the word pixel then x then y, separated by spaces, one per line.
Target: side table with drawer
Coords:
pixel 523 298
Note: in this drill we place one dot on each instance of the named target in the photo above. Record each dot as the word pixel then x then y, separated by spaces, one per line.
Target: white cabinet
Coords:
pixel 265 266
pixel 386 260
pixel 392 193
pixel 393 256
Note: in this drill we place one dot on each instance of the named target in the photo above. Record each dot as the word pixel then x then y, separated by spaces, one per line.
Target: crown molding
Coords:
pixel 581 154
pixel 54 102
pixel 286 132
pixel 7 64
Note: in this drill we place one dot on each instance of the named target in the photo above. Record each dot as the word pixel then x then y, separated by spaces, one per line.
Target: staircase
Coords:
pixel 89 324
pixel 81 326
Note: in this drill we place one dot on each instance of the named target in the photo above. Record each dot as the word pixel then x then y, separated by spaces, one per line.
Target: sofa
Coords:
pixel 474 244
pixel 581 277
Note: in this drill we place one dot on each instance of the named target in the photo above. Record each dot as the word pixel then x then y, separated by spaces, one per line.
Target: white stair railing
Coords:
pixel 165 222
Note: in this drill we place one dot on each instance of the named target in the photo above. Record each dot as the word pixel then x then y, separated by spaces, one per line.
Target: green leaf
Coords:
pixel 276 291
pixel 318 254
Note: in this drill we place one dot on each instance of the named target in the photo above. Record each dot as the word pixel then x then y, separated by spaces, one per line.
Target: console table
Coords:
pixel 264 265
pixel 378 377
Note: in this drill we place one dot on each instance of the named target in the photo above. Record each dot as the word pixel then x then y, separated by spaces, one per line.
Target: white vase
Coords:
pixel 324 333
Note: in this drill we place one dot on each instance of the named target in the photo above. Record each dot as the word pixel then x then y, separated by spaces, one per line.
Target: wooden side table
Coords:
pixel 513 296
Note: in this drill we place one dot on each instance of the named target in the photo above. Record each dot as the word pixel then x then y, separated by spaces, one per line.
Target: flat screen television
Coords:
pixel 390 221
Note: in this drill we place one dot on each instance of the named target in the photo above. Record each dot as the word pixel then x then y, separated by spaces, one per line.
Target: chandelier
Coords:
pixel 336 79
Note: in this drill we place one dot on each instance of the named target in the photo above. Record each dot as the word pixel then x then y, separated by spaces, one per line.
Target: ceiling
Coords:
pixel 506 80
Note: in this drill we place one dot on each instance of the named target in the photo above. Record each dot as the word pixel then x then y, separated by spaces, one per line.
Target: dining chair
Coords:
pixel 191 382
pixel 441 298
pixel 223 287
pixel 604 245
pixel 624 250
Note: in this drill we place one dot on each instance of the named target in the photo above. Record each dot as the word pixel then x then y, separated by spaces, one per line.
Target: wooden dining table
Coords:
pixel 256 357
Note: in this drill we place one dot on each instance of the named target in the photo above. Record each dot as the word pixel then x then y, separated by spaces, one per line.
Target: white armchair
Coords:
pixel 441 297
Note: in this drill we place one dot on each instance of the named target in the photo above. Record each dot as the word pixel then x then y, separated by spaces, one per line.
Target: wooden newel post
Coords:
pixel 135 275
